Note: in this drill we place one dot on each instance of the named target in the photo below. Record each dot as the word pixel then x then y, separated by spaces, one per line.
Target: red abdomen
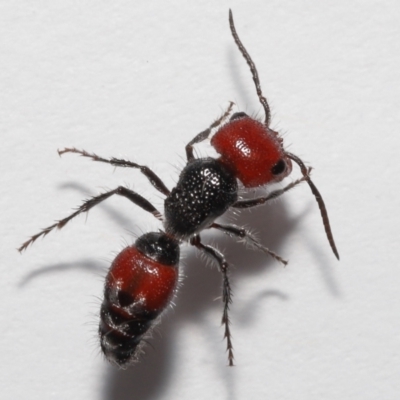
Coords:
pixel 137 290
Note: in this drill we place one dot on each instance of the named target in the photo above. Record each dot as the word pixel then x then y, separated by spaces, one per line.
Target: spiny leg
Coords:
pixel 253 70
pixel 204 134
pixel 116 162
pixel 273 195
pixel 92 202
pixel 235 231
pixel 226 290
pixel 320 201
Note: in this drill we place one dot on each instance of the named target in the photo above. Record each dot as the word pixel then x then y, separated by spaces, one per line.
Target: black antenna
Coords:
pixel 320 201
pixel 253 70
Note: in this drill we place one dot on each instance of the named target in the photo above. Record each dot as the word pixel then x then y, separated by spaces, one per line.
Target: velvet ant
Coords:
pixel 143 277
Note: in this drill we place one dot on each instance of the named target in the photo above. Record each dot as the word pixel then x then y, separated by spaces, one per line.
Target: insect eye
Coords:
pixel 238 115
pixel 279 167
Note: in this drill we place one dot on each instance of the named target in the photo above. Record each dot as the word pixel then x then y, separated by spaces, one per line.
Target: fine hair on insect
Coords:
pixel 143 277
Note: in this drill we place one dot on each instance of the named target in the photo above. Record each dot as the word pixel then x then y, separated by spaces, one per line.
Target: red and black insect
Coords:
pixel 143 277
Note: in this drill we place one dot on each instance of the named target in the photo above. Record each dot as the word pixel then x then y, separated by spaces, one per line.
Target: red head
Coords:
pixel 252 150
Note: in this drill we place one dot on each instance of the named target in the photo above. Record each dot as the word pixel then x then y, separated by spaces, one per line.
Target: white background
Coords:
pixel 139 80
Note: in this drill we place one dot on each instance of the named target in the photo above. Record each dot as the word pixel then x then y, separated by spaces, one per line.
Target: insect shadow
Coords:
pixel 201 286
pixel 196 299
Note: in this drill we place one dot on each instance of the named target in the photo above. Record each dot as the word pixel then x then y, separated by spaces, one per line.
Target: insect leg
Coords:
pixel 273 195
pixel 241 233
pixel 117 162
pixel 219 258
pixel 204 134
pixel 92 202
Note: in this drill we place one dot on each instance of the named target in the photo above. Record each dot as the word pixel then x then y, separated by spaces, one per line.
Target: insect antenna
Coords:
pixel 253 70
pixel 320 201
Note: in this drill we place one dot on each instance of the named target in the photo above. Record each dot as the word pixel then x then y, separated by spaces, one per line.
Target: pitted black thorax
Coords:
pixel 205 190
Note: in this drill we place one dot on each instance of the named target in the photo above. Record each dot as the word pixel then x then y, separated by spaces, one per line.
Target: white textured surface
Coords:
pixel 134 79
